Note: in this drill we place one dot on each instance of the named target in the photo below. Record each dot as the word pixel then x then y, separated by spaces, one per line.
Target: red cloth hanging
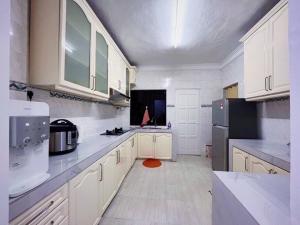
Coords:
pixel 146 117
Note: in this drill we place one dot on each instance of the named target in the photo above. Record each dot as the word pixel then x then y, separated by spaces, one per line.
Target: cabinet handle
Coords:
pixel 119 84
pixel 266 86
pixel 117 157
pixel 40 213
pixel 246 160
pixel 155 138
pixel 101 173
pixel 271 171
pixel 94 83
pixel 270 86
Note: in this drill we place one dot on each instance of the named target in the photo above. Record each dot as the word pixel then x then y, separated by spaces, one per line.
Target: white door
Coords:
pixel 187 121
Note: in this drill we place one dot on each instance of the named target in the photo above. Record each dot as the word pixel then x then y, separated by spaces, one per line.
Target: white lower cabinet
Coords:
pixel 146 145
pixel 58 216
pixel 240 159
pixel 155 145
pixel 109 178
pixel 163 146
pixel 244 162
pixel 84 197
pixel 134 149
pixel 52 208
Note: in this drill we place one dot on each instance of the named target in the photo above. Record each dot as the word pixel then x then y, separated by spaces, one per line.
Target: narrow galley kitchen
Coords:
pixel 165 112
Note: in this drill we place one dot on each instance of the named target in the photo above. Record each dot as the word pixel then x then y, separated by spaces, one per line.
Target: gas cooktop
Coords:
pixel 116 131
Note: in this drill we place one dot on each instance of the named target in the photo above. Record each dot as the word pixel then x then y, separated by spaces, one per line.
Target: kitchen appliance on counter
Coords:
pixel 28 145
pixel 63 137
pixel 231 119
pixel 115 132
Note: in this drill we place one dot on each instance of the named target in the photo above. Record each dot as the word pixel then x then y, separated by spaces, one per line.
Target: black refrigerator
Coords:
pixel 231 119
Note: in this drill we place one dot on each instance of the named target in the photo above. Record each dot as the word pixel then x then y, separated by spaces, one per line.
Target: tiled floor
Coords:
pixel 174 194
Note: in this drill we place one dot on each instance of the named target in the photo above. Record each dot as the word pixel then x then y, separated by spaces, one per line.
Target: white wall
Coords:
pixel 233 72
pixel 207 81
pixel 294 40
pixel 4 71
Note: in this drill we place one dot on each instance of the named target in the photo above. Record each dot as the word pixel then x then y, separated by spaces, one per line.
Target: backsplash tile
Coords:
pixel 274 120
pixel 91 118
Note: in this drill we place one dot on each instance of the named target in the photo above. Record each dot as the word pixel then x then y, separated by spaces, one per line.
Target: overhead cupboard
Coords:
pixel 71 51
pixel 266 58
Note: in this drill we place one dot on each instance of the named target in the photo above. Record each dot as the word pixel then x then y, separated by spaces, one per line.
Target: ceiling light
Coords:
pixel 178 23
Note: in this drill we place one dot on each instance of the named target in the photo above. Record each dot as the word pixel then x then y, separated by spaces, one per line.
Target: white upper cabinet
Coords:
pixel 117 71
pixel 100 67
pixel 77 42
pixel 280 51
pixel 266 70
pixel 256 63
pixel 71 51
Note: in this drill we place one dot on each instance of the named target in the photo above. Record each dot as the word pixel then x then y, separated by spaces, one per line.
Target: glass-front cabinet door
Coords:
pixel 101 65
pixel 77 51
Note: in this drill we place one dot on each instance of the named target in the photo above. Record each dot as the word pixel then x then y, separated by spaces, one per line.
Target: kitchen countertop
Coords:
pixel 63 168
pixel 274 153
pixel 265 197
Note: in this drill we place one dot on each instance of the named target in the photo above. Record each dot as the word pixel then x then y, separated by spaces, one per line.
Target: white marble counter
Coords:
pixel 274 153
pixel 243 198
pixel 63 168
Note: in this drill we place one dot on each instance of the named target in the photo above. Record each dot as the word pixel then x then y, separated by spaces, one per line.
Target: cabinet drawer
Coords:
pixel 43 208
pixel 57 216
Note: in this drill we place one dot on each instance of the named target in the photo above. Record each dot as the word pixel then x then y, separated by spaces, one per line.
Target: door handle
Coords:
pixel 101 173
pixel 270 86
pixel 266 86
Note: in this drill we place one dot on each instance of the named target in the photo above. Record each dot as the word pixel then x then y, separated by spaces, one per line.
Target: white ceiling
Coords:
pixel 211 29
